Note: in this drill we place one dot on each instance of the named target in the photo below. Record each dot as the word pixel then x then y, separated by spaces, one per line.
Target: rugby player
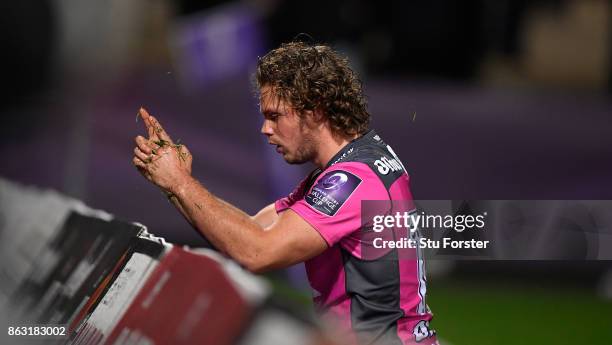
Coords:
pixel 313 111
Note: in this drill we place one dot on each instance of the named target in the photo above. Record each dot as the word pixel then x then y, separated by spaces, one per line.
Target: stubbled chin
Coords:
pixel 292 160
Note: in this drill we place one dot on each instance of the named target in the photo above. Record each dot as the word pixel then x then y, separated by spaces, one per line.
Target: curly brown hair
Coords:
pixel 315 77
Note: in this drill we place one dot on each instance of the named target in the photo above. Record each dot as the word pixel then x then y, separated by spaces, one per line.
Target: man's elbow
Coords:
pixel 256 259
pixel 258 264
pixel 263 255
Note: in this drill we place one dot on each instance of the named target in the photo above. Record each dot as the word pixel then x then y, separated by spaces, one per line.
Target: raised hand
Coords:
pixel 158 158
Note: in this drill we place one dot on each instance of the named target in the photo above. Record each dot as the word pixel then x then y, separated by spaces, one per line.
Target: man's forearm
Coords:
pixel 175 201
pixel 264 217
pixel 225 226
pixel 233 208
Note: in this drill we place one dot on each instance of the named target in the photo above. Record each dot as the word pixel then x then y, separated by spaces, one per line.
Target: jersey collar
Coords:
pixel 349 148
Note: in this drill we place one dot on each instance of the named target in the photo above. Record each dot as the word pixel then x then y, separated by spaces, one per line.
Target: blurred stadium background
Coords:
pixel 506 99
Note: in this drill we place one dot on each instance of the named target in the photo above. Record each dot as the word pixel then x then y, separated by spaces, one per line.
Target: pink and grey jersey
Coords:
pixel 382 300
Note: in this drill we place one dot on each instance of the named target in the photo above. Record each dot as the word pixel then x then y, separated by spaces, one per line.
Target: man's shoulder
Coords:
pixel 374 153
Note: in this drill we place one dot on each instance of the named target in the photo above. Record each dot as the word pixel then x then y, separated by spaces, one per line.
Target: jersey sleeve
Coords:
pixel 333 205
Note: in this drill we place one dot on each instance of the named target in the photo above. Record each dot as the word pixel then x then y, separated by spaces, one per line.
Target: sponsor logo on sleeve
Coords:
pixel 385 165
pixel 332 191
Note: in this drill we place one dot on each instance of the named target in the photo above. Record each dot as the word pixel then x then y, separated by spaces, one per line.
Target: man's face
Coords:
pixel 291 134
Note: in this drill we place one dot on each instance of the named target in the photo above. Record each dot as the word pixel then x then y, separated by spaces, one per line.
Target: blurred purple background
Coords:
pixel 481 100
pixel 499 99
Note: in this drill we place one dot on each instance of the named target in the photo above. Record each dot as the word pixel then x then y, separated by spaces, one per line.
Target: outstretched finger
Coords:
pixel 159 130
pixel 146 118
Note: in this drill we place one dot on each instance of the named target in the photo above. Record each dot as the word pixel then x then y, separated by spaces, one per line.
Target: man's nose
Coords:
pixel 266 128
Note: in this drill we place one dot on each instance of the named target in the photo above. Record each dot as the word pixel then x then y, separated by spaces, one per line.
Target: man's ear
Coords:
pixel 310 118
